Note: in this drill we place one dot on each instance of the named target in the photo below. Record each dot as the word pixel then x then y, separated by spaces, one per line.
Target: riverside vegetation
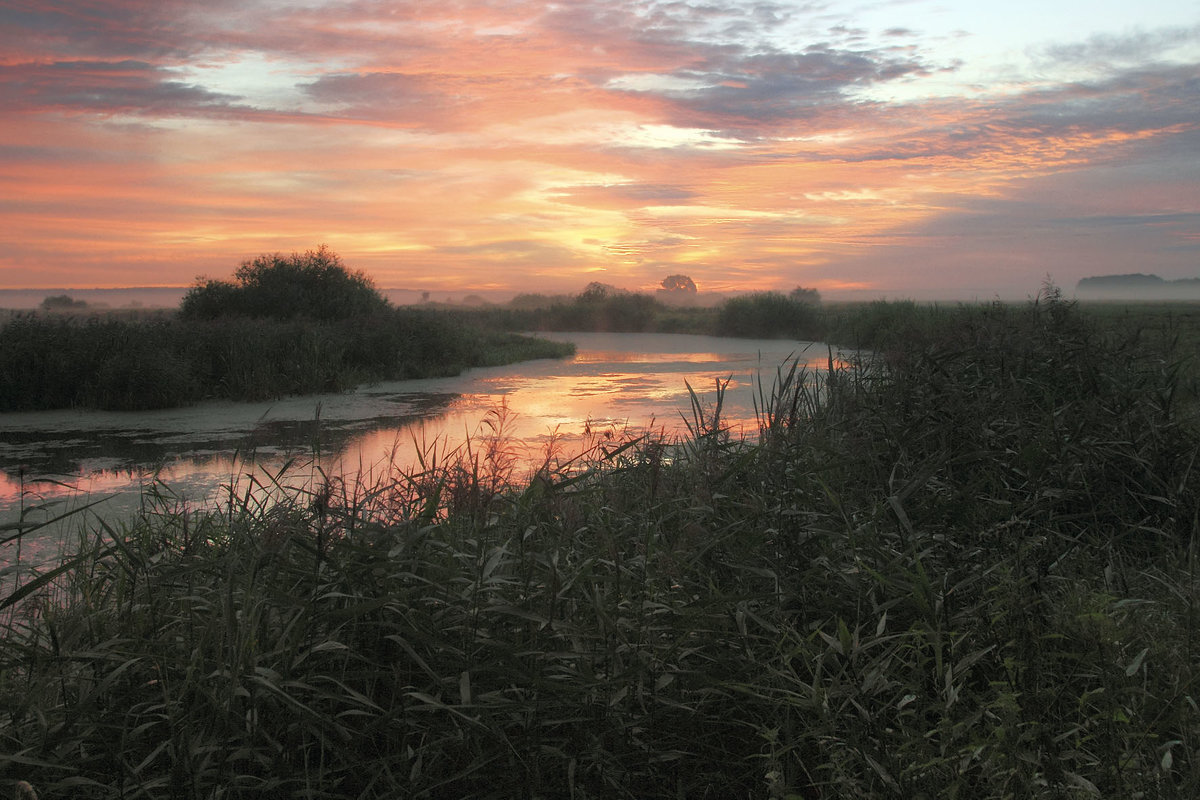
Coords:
pixel 600 307
pixel 305 324
pixel 297 324
pixel 963 566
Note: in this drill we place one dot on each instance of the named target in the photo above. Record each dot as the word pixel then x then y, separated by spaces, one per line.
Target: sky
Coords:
pixel 884 148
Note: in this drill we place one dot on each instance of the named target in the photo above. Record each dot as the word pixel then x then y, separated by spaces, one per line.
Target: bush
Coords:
pixel 63 302
pixel 803 294
pixel 315 285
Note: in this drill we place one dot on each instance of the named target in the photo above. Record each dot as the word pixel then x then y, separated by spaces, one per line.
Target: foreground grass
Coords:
pixel 964 569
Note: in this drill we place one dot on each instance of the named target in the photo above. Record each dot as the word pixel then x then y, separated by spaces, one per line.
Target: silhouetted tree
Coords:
pixel 679 283
pixel 596 292
pixel 63 302
pixel 315 285
pixel 804 295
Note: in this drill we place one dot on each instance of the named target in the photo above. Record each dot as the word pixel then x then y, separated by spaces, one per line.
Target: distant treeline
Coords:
pixel 604 308
pixel 799 315
pixel 1138 285
pixel 63 302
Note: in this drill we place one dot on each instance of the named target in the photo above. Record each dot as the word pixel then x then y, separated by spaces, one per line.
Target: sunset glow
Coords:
pixel 920 148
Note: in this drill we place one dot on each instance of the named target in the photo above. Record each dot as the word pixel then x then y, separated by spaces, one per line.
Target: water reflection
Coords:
pixel 616 381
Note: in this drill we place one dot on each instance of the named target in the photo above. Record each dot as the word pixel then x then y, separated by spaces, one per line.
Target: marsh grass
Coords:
pixel 165 360
pixel 965 567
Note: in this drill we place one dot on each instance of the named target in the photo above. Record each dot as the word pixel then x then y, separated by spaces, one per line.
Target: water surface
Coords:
pixel 614 383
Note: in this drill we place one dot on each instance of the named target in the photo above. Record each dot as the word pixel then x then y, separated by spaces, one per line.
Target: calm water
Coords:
pixel 615 382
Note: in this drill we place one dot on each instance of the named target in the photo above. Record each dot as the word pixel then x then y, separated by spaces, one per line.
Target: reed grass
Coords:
pixel 164 360
pixel 961 568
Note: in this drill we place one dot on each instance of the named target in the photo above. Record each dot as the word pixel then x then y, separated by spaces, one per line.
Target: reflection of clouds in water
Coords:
pixel 610 384
pixel 616 357
pixel 559 401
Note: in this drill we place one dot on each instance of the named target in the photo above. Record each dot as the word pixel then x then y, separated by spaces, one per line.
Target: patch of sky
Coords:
pixel 257 80
pixel 976 49
pixel 574 129
pixel 669 136
pixel 656 83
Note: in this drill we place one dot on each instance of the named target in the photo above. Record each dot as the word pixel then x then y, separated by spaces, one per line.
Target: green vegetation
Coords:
pixel 597 308
pixel 965 567
pixel 110 363
pixel 1138 287
pixel 63 302
pixel 766 315
pixel 316 286
pixel 678 285
pixel 798 314
pixel 292 325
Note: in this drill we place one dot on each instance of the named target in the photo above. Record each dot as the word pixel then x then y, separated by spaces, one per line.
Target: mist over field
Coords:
pixel 1138 286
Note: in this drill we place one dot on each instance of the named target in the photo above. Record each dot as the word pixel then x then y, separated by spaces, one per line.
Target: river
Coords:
pixel 51 462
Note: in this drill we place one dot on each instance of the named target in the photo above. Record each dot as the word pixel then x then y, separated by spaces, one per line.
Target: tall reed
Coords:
pixel 162 361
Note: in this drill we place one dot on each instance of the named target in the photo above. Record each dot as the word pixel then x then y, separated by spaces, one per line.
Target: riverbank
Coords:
pixel 161 360
pixel 964 568
pixel 140 360
pixel 614 383
pixel 285 325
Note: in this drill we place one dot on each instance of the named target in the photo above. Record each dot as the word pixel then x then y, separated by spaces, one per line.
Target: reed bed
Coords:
pixel 962 568
pixel 166 360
